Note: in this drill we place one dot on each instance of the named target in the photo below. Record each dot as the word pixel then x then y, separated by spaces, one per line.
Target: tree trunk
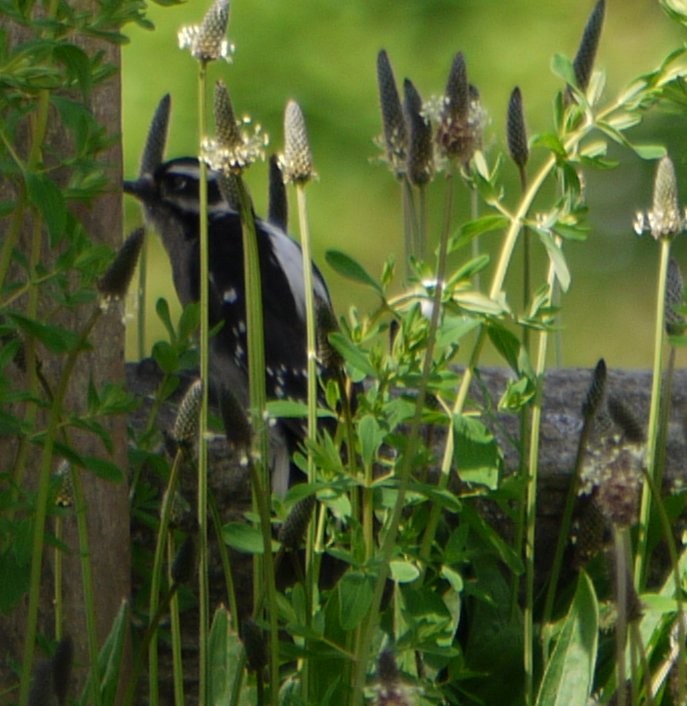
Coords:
pixel 107 508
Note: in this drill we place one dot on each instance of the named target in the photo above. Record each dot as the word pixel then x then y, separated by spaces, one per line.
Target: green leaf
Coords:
pixel 563 68
pixel 54 338
pixel 103 468
pixel 453 577
pixel 470 230
pixel 244 538
pixel 557 259
pixel 48 200
pixel 224 660
pixel 569 674
pixel 166 356
pixel 371 436
pixel 355 598
pixel 476 453
pixel 77 64
pixel 550 141
pixel 353 355
pixel 347 267
pixel 162 310
pixel 506 343
pixel 649 152
pixel 403 571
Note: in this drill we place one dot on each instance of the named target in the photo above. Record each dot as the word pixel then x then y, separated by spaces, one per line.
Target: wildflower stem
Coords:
pixel 641 558
pixel 175 627
pixel 263 574
pixel 202 508
pixel 156 575
pixel 531 507
pixel 141 301
pixel 311 341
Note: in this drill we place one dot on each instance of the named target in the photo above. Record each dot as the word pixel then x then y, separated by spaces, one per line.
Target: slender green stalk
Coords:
pixel 156 576
pixel 641 558
pixel 263 574
pixel 141 301
pixel 410 224
pixel 620 542
pixel 175 624
pixel 531 512
pixel 226 566
pixel 87 585
pixel 203 587
pixel 311 340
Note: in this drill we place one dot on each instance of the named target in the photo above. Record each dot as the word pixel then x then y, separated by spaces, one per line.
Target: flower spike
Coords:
pixel 516 130
pixel 207 41
pixel 297 163
pixel 420 162
pixel 393 124
pixel 666 219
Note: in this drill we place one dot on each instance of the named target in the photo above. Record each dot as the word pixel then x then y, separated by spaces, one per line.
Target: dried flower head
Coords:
pixel 390 689
pixel 278 207
pixel 236 146
pixel 207 41
pixel 459 131
pixel 665 220
pixel 236 425
pixel 586 53
pixel 516 132
pixel 185 430
pixel 115 282
pixel 395 135
pixel 296 162
pixel 420 158
pixel 675 323
pixel 619 487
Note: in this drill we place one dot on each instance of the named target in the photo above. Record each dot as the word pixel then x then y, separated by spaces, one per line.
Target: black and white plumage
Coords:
pixel 169 193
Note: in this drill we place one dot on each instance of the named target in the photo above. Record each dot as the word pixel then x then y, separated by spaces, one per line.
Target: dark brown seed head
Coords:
pixel 62 668
pixel 516 131
pixel 154 150
pixel 254 644
pixel 592 531
pixel 420 160
pixel 393 123
pixel 459 132
pixel 114 283
pixel 624 418
pixel 236 425
pixel 595 394
pixel 292 532
pixel 583 63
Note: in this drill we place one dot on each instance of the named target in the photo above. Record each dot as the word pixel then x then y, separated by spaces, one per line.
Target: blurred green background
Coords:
pixel 323 54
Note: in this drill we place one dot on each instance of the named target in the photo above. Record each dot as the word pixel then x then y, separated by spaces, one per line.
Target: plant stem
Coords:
pixel 203 587
pixel 641 558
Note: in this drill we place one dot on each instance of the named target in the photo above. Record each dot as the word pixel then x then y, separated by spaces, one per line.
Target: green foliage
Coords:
pixel 418 578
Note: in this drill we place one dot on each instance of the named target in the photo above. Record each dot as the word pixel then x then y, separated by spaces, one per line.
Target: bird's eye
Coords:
pixel 179 183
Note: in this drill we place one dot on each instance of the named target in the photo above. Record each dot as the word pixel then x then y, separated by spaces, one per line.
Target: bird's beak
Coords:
pixel 142 188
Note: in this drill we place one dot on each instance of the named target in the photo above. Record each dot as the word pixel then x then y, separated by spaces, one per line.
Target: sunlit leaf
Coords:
pixel 347 267
pixel 569 673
